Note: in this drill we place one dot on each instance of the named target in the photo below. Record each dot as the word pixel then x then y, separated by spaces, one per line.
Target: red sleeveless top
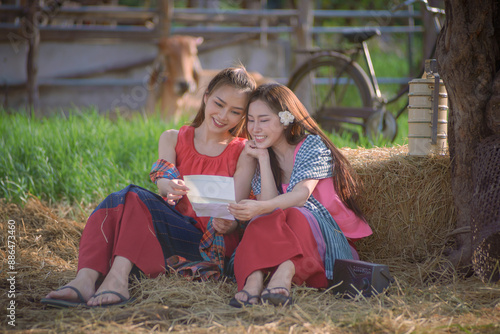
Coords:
pixel 190 162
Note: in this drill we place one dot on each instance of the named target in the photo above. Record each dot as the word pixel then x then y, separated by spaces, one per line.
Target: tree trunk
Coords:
pixel 468 58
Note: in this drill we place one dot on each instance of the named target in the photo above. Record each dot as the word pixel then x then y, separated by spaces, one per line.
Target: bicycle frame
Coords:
pixel 340 91
pixel 371 69
pixel 363 46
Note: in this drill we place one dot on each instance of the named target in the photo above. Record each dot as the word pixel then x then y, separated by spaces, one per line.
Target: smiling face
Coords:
pixel 264 125
pixel 224 108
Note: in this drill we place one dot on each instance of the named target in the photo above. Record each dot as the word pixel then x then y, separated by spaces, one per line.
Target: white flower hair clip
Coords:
pixel 286 117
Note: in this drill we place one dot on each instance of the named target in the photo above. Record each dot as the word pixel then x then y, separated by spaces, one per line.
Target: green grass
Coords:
pixel 80 158
pixel 85 156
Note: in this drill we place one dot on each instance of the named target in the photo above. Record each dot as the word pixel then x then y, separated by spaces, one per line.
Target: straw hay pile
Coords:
pixel 408 202
pixel 409 206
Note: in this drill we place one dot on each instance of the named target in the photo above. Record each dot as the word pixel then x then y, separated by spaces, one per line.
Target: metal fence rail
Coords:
pixel 130 22
pixel 218 26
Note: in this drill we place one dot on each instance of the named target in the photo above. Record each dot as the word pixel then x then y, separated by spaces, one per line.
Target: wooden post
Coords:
pixel 411 23
pixel 166 11
pixel 303 29
pixel 264 24
pixel 33 37
pixel 306 20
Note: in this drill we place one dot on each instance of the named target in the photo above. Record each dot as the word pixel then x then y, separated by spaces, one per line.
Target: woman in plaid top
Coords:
pixel 305 215
pixel 138 229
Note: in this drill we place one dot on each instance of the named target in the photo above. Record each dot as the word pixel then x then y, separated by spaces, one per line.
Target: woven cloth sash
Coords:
pixel 162 169
pixel 314 161
pixel 212 246
pixel 212 250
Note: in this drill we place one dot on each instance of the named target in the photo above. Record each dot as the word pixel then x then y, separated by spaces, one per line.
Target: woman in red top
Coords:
pixel 138 229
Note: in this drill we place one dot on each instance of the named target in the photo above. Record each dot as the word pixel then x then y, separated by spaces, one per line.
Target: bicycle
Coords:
pixel 336 89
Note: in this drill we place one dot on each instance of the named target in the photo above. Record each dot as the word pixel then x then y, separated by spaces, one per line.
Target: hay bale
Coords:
pixel 408 204
pixel 407 201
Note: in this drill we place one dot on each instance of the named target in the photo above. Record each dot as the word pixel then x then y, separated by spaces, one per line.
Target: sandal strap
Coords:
pixel 249 296
pixel 78 293
pixel 275 288
pixel 122 297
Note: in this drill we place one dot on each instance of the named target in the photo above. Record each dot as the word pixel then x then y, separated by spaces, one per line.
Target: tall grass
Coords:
pixel 84 156
pixel 80 157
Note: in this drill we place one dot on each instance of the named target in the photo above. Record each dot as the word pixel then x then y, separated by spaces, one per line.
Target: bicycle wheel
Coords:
pixel 382 123
pixel 335 91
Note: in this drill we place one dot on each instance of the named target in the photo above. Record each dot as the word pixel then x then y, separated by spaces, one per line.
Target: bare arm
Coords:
pixel 166 145
pixel 269 198
pixel 267 183
pixel 261 156
pixel 247 209
pixel 173 190
pixel 245 170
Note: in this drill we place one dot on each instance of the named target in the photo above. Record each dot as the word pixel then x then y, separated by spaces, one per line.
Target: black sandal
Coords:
pixel 239 303
pixel 276 299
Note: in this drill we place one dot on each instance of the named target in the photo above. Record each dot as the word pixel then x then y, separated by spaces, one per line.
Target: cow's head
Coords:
pixel 181 60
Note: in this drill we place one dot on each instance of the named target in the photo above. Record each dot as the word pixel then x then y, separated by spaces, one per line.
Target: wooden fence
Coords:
pixel 33 25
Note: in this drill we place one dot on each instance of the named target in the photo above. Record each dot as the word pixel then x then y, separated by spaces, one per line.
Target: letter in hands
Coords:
pixel 173 190
pixel 246 209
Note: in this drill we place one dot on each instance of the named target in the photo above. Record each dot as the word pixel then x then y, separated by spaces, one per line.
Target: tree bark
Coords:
pixel 468 58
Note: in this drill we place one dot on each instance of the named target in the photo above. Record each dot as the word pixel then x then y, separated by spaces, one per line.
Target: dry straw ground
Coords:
pixel 408 203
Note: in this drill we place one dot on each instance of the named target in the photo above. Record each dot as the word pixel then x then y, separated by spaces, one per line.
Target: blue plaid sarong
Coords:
pixel 212 251
pixel 211 246
pixel 187 251
pixel 314 161
pixel 175 232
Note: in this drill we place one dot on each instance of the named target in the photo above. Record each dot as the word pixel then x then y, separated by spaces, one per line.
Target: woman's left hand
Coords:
pixel 224 226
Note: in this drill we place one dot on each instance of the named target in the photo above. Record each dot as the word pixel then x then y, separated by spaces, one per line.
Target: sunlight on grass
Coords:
pixel 84 156
pixel 80 157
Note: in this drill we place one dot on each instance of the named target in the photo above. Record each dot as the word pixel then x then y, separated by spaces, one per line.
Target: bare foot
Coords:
pixel 116 280
pixel 84 282
pixel 281 281
pixel 253 286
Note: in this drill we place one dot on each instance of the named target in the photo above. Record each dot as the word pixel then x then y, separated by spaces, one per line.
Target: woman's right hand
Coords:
pixel 172 190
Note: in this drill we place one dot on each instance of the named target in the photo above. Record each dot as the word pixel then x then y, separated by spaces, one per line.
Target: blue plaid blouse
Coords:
pixel 314 161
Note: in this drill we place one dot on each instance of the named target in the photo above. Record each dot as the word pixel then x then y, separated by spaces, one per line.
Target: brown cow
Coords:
pixel 180 78
pixel 175 72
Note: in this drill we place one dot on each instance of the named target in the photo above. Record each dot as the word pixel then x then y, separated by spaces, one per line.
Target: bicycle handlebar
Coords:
pixel 427 6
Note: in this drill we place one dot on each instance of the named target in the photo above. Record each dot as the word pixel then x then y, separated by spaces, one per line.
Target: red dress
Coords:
pixel 190 162
pixel 293 234
pixel 124 225
pixel 271 239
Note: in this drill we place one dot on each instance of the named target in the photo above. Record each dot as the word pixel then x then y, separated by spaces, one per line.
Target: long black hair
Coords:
pixel 279 97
